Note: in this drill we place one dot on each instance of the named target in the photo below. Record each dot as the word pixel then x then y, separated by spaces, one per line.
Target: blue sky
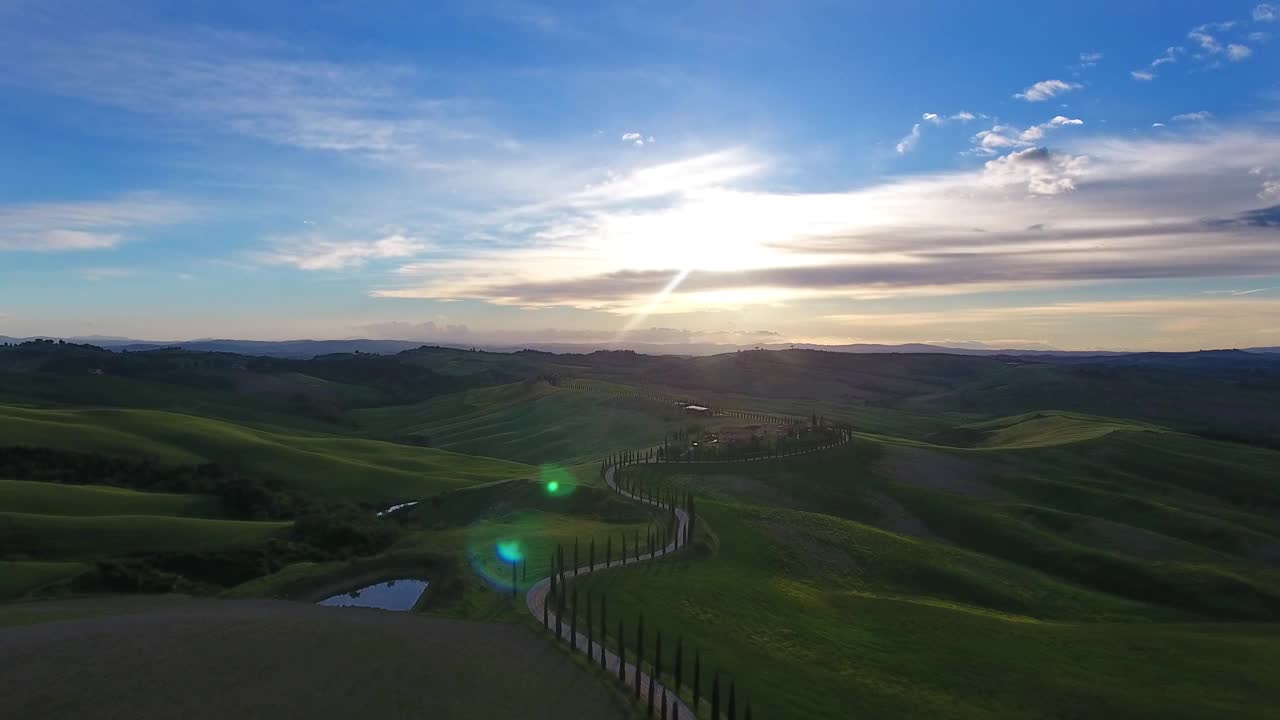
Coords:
pixel 1085 175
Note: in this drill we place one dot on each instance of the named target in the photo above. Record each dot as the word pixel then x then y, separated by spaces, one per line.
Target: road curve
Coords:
pixel 537 597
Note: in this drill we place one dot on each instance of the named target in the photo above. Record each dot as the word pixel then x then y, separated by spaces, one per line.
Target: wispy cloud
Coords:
pixel 1266 12
pixel 61 227
pixel 1046 89
pixel 1113 209
pixel 199 80
pixel 909 141
pixel 315 252
pixel 1197 116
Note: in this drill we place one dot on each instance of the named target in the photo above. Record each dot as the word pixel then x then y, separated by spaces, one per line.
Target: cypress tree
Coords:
pixel 637 544
pixel 573 620
pixel 733 703
pixel 546 622
pixel 639 652
pixel 591 630
pixel 559 614
pixel 715 696
pixel 513 579
pixel 657 656
pixel 604 629
pixel 748 713
pixel 591 556
pixel 553 575
pixel 608 551
pixel 650 698
pixel 622 655
pixel 697 678
pixel 575 557
pixel 679 662
pixel 664 704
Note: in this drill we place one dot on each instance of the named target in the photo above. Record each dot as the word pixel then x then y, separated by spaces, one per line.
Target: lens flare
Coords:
pixel 510 551
pixel 557 481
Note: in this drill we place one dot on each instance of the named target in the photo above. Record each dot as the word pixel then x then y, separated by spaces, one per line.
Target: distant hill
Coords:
pixel 306 349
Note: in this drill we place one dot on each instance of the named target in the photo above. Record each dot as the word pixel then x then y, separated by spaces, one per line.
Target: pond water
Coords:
pixel 400 595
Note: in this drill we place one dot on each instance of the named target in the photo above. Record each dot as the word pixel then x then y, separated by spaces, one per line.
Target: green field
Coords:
pixel 59 537
pixel 353 468
pixel 1056 566
pixel 18 578
pixel 528 422
pixel 43 498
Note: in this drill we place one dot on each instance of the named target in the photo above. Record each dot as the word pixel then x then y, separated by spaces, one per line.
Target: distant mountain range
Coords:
pixel 312 348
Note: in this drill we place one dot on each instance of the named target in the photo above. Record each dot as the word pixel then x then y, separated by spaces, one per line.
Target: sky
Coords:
pixel 1086 175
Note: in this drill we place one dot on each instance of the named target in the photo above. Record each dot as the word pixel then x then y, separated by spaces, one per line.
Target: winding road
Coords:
pixel 536 598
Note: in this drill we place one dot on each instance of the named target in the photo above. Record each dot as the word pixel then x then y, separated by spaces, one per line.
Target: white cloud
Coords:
pixel 1197 116
pixel 963 116
pixel 1042 171
pixel 1207 42
pixel 1046 89
pixel 315 252
pixel 1004 137
pixel 1142 75
pixel 1270 191
pixel 1170 55
pixel 1236 52
pixel 628 137
pixel 1157 124
pixel 1089 59
pixel 909 141
pixel 56 227
pixel 1266 12
pixel 931 118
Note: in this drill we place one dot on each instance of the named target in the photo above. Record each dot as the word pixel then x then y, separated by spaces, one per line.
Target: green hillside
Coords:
pixel 55 537
pixel 43 498
pixel 358 469
pixel 527 422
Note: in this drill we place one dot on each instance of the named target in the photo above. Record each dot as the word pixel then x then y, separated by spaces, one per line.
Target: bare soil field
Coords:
pixel 215 659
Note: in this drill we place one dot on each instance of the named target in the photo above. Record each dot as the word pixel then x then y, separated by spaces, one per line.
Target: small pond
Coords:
pixel 394 508
pixel 399 595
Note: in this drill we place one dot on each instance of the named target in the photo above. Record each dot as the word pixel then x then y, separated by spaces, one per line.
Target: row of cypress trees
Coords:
pixel 639 683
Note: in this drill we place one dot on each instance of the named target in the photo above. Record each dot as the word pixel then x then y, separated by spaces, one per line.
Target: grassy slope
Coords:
pixel 819 617
pixel 467 526
pixel 1065 567
pixel 18 578
pixel 366 470
pixel 56 499
pixel 532 423
pixel 56 537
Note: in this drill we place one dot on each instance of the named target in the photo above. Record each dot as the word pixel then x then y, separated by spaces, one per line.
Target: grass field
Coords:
pixel 1056 565
pixel 455 540
pixel 528 422
pixel 18 578
pixel 42 498
pixel 357 469
pixel 57 537
pixel 813 616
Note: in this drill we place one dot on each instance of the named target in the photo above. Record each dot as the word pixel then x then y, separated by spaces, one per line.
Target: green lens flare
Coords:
pixel 557 481
pixel 510 551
